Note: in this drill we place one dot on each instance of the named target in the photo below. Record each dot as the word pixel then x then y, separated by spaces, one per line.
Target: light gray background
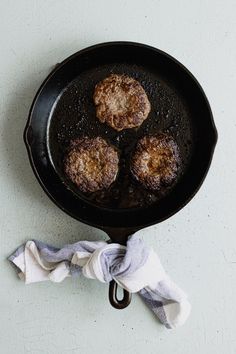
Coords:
pixel 197 246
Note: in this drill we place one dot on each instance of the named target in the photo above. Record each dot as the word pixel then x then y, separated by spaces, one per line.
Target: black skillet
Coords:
pixel 63 109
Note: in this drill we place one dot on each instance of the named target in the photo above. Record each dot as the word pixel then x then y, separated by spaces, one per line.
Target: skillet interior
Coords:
pixel 74 115
pixel 54 116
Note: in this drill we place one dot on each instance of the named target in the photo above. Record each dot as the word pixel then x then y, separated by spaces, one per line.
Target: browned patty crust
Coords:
pixel 155 161
pixel 92 164
pixel 121 102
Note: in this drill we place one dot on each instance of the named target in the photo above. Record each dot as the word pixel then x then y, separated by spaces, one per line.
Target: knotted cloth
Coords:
pixel 135 267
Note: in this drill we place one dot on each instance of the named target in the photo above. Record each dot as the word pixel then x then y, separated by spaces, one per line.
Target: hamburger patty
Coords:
pixel 92 164
pixel 121 102
pixel 156 161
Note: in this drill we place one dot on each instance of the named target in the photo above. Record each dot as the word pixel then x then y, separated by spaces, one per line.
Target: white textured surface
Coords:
pixel 197 246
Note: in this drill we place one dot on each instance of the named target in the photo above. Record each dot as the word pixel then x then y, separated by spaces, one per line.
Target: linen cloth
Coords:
pixel 135 267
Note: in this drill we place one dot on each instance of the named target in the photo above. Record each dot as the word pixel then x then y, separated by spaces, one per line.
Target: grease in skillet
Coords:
pixel 74 115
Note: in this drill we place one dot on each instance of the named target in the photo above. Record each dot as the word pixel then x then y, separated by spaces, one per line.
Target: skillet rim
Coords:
pixel 137 226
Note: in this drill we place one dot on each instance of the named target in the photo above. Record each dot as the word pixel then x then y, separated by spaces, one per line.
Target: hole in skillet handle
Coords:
pixel 120 236
pixel 114 301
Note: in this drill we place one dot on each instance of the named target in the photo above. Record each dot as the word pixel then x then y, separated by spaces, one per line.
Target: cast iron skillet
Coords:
pixel 63 109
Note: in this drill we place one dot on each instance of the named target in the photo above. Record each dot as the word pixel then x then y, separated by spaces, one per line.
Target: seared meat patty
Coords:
pixel 121 102
pixel 156 161
pixel 92 164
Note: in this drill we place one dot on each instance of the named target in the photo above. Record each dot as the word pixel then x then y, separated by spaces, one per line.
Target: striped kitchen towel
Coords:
pixel 135 267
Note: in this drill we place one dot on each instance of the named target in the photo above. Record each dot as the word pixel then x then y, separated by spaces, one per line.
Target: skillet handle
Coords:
pixel 118 304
